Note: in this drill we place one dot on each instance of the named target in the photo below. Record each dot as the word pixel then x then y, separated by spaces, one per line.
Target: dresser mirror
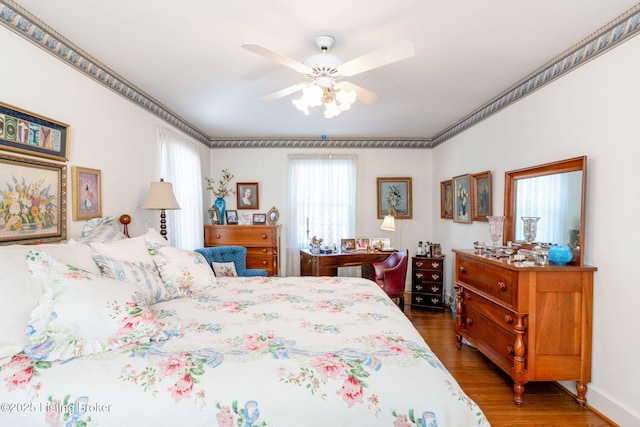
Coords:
pixel 556 194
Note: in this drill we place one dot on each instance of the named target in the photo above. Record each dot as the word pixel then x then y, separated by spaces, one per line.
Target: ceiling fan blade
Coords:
pixel 283 92
pixel 362 94
pixel 284 60
pixel 394 52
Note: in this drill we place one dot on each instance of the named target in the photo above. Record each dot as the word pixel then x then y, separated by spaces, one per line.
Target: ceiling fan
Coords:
pixel 324 73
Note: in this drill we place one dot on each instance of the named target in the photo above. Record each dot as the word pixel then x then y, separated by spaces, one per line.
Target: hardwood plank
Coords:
pixel 545 403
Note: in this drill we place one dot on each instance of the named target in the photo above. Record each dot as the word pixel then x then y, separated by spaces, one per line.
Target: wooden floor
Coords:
pixel 545 403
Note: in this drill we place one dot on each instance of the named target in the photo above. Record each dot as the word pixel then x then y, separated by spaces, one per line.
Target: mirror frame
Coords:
pixel 510 180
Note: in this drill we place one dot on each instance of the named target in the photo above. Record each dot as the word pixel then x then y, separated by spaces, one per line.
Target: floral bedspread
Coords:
pixel 259 351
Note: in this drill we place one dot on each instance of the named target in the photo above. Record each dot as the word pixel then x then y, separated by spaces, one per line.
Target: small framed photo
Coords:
pixel 394 194
pixel 363 243
pixel 247 195
pixel 232 217
pixel 273 215
pixel 446 199
pixel 381 243
pixel 462 198
pixel 348 244
pixel 481 196
pixel 259 218
pixel 87 193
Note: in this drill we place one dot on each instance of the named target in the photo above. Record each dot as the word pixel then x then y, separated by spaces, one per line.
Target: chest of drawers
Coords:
pixel 533 322
pixel 427 284
pixel 262 243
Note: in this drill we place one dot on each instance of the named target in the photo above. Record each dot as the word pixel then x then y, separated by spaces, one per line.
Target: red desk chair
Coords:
pixel 391 273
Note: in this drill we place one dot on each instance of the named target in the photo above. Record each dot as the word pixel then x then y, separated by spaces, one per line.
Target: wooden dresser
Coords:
pixel 427 285
pixel 262 243
pixel 533 322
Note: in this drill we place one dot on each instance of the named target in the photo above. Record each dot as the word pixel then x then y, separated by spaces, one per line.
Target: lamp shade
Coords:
pixel 161 196
pixel 389 223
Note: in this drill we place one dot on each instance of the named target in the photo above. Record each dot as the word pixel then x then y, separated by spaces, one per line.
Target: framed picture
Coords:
pixel 33 201
pixel 462 198
pixel 446 199
pixel 273 215
pixel 394 194
pixel 87 193
pixel 247 195
pixel 363 243
pixel 214 215
pixel 381 243
pixel 481 196
pixel 25 132
pixel 348 244
pixel 231 217
pixel 259 218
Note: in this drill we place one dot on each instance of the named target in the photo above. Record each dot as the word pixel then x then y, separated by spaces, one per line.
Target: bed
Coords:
pixel 102 344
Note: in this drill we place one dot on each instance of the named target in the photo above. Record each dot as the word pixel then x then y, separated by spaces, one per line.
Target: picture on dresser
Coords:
pixel 232 217
pixel 259 218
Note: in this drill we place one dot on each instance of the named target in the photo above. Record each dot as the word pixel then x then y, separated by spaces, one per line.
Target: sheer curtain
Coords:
pixel 545 197
pixel 322 193
pixel 180 165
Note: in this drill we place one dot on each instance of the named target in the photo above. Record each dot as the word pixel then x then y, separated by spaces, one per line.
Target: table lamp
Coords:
pixel 161 197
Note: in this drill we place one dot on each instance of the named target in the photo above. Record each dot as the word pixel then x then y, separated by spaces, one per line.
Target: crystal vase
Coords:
pixel 530 229
pixel 496 224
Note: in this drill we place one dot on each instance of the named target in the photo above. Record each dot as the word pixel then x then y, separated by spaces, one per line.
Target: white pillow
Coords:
pixel 224 269
pixel 80 313
pixel 144 274
pixel 20 291
pixel 100 230
pixel 181 271
pixel 130 250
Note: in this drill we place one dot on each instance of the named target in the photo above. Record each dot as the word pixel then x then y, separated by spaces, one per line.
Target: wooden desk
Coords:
pixel 327 264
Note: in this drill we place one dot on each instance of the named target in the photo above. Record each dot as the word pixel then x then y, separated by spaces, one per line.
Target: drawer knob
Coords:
pixel 264 262
pixel 418 287
pixel 264 251
pixel 469 321
pixel 419 263
pixel 218 236
pixel 434 301
pixel 462 269
pixel 434 289
pixel 264 236
pixel 418 299
pixel 435 276
pixel 502 286
pixel 435 264
pixel 508 318
pixel 419 275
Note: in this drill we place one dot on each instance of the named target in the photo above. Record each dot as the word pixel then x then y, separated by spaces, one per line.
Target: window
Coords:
pixel 180 165
pixel 322 199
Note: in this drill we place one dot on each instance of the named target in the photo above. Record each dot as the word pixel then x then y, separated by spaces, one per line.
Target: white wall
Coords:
pixel 592 111
pixel 268 167
pixel 107 132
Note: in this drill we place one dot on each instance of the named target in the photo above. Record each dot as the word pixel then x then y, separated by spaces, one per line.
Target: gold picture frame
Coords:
pixel 87 193
pixel 394 193
pixel 38 212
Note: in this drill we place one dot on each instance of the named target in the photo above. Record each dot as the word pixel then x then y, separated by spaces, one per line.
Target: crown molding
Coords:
pixel 20 21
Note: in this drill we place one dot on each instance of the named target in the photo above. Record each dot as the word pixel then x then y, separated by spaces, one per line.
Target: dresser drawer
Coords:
pixel 419 300
pixel 262 262
pixel 266 251
pixel 495 342
pixel 427 264
pixel 499 283
pixel 422 287
pixel 230 235
pixel 501 316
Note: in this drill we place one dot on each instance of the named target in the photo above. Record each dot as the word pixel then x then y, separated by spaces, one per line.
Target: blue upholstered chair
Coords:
pixel 235 254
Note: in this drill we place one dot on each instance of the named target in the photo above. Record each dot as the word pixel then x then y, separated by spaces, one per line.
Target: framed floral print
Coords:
pixel 462 200
pixel 87 193
pixel 481 196
pixel 33 200
pixel 446 199
pixel 394 194
pixel 29 133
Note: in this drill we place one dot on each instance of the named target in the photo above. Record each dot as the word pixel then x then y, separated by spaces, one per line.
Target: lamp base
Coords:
pixel 163 224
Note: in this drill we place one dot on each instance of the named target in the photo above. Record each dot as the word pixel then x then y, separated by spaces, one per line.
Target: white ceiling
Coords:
pixel 187 56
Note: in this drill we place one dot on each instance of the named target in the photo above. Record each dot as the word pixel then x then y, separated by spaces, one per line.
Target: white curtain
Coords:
pixel 180 165
pixel 322 193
